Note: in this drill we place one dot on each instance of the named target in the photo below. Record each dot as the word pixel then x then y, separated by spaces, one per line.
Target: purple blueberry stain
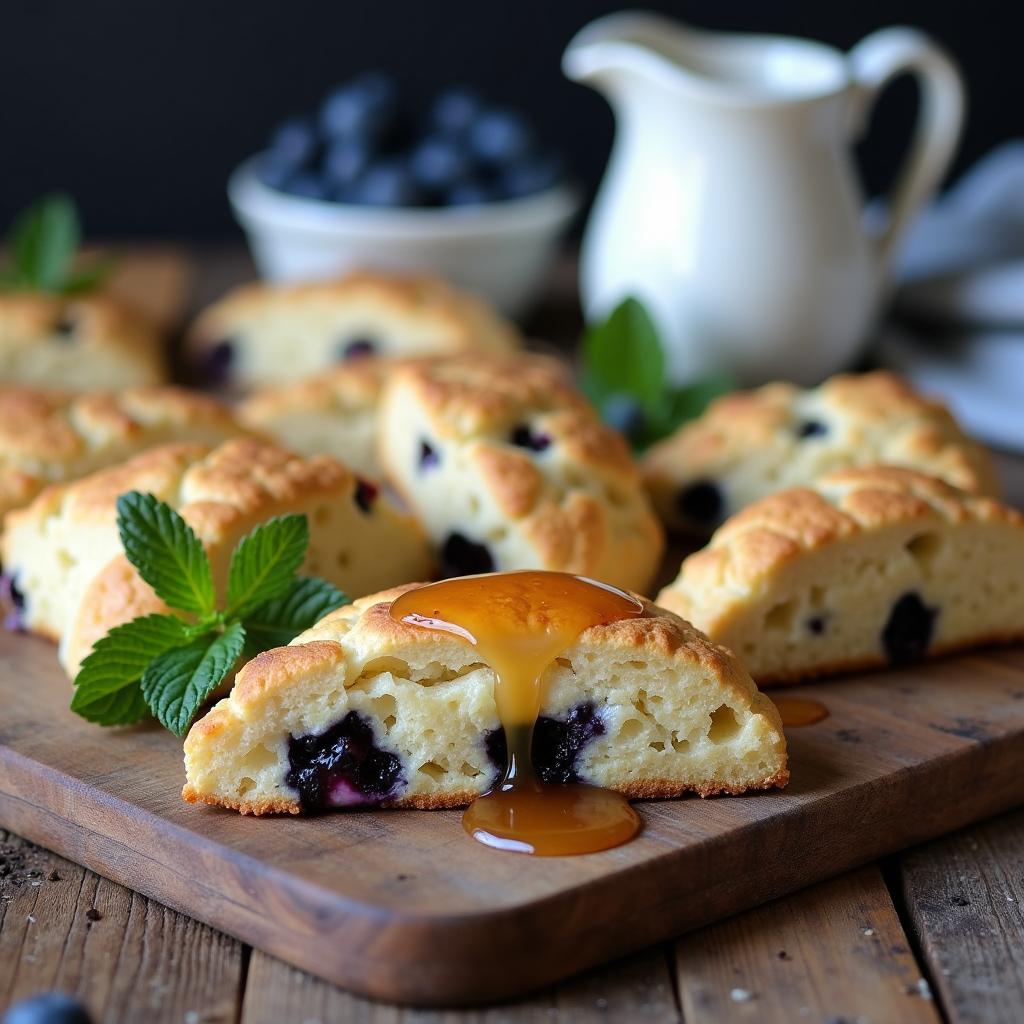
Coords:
pixel 12 604
pixel 523 436
pixel 356 348
pixel 908 631
pixel 365 495
pixel 461 556
pixel 557 744
pixel 811 428
pixel 428 458
pixel 701 503
pixel 216 362
pixel 342 767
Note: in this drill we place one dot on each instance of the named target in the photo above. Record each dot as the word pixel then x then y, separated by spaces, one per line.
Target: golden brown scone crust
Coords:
pixel 752 438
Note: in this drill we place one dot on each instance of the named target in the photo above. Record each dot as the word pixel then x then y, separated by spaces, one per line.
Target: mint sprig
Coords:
pixel 43 242
pixel 168 665
pixel 623 374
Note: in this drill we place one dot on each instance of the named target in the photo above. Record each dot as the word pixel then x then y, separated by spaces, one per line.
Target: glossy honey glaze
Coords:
pixel 520 622
pixel 796 711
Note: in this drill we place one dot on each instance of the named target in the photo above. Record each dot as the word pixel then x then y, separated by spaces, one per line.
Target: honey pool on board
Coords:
pixel 520 622
pixel 797 711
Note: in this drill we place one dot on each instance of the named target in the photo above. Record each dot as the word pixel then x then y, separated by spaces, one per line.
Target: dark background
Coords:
pixel 141 109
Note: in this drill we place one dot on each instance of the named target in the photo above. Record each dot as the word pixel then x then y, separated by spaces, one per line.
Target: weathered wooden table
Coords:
pixel 934 934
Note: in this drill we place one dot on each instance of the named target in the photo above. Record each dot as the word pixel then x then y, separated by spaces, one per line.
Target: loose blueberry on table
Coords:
pixel 366 146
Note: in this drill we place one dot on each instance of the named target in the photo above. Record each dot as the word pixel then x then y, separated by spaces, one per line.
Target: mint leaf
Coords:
pixel 43 243
pixel 624 355
pixel 176 683
pixel 265 562
pixel 679 405
pixel 168 555
pixel 282 619
pixel 106 687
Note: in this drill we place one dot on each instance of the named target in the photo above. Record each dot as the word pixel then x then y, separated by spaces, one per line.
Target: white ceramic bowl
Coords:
pixel 500 250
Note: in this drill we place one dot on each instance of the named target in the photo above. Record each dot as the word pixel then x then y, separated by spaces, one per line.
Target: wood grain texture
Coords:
pixel 835 952
pixel 127 958
pixel 965 899
pixel 637 990
pixel 403 906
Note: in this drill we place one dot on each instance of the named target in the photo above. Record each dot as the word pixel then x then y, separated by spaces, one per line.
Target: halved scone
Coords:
pixel 335 412
pixel 868 567
pixel 509 467
pixel 359 540
pixel 754 443
pixel 362 710
pixel 268 334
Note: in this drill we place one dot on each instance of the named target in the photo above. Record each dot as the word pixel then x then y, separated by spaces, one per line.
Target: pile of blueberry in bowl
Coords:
pixel 458 186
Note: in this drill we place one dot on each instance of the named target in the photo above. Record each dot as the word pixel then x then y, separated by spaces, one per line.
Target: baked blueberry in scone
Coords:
pixel 334 413
pixel 362 710
pixel 509 467
pixel 81 343
pixel 264 334
pixel 52 436
pixel 359 540
pixel 868 567
pixel 754 443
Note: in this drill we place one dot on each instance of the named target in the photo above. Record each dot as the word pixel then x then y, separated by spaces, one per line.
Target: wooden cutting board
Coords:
pixel 402 905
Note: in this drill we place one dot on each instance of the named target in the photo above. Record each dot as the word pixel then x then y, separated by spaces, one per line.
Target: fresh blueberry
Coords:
pixel 12 604
pixel 306 186
pixel 364 108
pixel 469 193
pixel 455 110
pixel 811 428
pixel 274 170
pixel 344 162
pixel 908 631
pixel 529 176
pixel 556 746
pixel 365 495
pixel 294 144
pixel 500 137
pixel 216 363
pixel 356 348
pixel 461 556
pixel 48 1008
pixel 701 504
pixel 342 767
pixel 623 413
pixel 429 459
pixel 438 164
pixel 816 624
pixel 387 183
pixel 524 437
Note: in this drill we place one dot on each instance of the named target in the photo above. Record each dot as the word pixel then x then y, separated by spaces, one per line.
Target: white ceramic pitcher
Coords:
pixel 731 204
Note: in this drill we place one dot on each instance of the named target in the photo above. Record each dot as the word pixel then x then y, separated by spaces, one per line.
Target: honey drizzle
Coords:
pixel 798 711
pixel 520 622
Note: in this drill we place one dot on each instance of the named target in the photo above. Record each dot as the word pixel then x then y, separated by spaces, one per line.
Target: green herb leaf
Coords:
pixel 623 355
pixel 89 278
pixel 106 687
pixel 282 619
pixel 176 683
pixel 43 243
pixel 265 562
pixel 168 555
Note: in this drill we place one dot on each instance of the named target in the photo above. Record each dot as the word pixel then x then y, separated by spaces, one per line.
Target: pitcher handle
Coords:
pixel 874 62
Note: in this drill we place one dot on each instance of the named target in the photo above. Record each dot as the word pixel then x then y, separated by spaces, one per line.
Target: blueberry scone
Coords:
pixel 265 334
pixel 508 467
pixel 76 585
pixel 754 443
pixel 871 566
pixel 334 413
pixel 364 710
pixel 82 343
pixel 51 436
